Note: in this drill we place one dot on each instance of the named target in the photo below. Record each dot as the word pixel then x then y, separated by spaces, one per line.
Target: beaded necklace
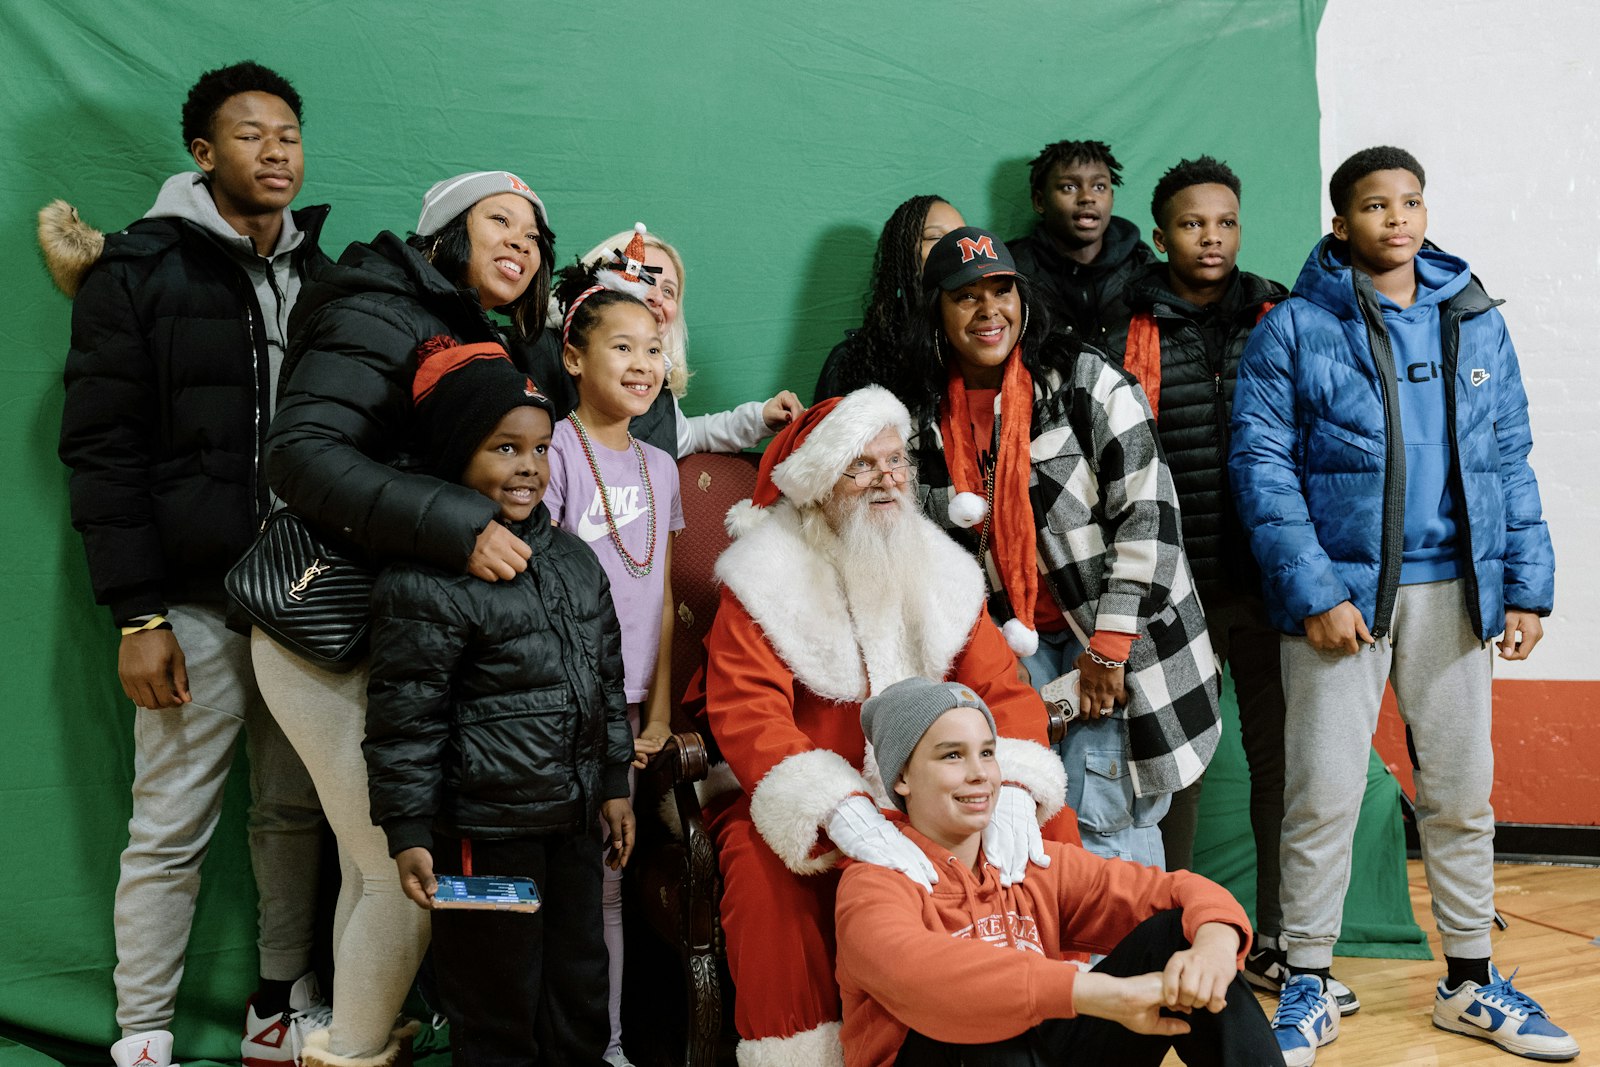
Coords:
pixel 634 568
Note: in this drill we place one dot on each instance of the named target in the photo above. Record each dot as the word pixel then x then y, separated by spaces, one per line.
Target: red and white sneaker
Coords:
pixel 152 1048
pixel 276 1040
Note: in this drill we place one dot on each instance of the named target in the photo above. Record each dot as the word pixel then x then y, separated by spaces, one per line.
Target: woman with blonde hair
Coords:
pixel 665 425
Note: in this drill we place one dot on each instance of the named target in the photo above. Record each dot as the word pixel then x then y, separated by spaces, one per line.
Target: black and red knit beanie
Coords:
pixel 461 393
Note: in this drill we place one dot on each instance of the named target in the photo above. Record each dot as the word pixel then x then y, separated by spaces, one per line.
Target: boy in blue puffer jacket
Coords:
pixel 1380 462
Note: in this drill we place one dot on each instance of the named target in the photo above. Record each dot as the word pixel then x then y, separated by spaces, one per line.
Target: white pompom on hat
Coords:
pixel 1023 641
pixel 966 510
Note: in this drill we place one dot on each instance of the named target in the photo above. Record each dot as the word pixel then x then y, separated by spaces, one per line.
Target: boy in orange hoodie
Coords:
pixel 974 973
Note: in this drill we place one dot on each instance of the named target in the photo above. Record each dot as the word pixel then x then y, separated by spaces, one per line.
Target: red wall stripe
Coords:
pixel 1546 751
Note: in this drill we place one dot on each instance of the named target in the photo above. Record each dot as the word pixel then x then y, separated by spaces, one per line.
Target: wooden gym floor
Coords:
pixel 1554 924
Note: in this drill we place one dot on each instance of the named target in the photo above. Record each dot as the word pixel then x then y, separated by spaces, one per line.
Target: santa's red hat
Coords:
pixel 807 457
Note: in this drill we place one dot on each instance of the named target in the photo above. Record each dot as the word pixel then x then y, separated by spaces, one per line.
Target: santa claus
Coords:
pixel 834 588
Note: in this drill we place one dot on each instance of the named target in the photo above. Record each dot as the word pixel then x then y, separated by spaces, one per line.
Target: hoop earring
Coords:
pixel 433 249
pixel 1024 332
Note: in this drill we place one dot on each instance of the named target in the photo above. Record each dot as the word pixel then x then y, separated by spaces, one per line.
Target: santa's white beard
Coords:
pixel 881 558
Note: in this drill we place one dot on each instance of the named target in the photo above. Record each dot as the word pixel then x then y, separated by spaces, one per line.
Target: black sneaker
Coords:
pixel 1267 970
pixel 1344 996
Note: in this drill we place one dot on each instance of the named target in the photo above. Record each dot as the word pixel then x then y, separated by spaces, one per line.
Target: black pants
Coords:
pixel 523 989
pixel 1238 1036
pixel 1242 638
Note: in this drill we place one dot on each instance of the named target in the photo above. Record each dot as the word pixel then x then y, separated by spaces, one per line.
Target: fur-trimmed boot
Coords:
pixel 819 1047
pixel 397 1053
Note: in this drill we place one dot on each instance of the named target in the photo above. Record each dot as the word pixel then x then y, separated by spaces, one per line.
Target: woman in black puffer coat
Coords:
pixel 340 452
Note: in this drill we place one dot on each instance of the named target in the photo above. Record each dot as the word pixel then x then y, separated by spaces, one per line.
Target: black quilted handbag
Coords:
pixel 307 592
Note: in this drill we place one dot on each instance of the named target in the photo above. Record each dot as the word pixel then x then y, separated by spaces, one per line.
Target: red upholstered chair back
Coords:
pixel 709 483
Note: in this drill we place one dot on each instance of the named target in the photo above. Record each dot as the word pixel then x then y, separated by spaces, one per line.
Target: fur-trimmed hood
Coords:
pixel 70 245
pixel 793 593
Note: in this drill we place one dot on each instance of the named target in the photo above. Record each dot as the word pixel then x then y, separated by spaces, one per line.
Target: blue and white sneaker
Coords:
pixel 1498 1013
pixel 1307 1018
pixel 1266 968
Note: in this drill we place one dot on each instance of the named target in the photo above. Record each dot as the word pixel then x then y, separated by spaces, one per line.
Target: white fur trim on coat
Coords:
pixel 793 801
pixel 808 474
pixel 1036 769
pixel 792 592
pixel 820 1047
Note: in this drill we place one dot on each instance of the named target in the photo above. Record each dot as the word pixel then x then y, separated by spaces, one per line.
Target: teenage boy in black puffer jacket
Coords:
pixel 1080 257
pixel 1191 318
pixel 178 327
pixel 497 731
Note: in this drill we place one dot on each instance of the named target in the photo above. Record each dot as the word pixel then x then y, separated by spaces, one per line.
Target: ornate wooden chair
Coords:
pixel 677 882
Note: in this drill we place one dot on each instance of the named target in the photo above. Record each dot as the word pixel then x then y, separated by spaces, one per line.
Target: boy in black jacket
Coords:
pixel 177 331
pixel 497 730
pixel 1191 318
pixel 1080 257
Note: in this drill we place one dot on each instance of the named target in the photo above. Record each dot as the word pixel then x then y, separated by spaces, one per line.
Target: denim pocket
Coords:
pixel 1108 799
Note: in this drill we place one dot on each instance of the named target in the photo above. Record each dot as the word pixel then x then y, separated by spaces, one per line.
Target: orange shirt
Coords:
pixel 975 961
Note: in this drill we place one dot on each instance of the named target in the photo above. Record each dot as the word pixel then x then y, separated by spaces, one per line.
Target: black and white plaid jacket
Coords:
pixel 1111 552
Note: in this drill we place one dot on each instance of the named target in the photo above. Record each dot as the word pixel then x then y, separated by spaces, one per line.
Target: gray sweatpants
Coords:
pixel 181 760
pixel 1441 674
pixel 379 936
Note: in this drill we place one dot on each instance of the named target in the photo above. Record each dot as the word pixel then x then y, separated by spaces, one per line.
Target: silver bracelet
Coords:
pixel 1108 664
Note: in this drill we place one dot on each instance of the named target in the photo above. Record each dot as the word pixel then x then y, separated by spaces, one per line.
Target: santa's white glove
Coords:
pixel 1012 837
pixel 862 833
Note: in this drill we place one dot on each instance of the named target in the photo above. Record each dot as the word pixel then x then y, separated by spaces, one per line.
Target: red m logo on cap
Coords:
pixel 517 184
pixel 983 246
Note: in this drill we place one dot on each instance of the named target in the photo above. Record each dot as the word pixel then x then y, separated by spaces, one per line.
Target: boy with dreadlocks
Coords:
pixel 1080 257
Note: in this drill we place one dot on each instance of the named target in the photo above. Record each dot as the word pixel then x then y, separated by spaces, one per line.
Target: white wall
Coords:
pixel 1499 101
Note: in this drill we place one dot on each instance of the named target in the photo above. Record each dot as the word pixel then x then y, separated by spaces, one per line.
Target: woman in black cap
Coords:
pixel 342 452
pixel 1040 456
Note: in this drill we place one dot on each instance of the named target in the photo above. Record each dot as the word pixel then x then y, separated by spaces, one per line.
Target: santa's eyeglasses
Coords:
pixel 866 475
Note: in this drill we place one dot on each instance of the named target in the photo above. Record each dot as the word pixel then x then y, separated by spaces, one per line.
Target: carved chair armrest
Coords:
pixel 683 760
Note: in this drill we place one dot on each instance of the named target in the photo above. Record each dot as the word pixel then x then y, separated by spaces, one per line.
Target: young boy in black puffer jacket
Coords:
pixel 1192 316
pixel 497 730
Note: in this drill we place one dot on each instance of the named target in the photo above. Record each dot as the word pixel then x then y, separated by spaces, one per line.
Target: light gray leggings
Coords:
pixel 379 936
pixel 1441 674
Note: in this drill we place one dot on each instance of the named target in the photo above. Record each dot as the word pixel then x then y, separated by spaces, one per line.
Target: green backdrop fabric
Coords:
pixel 769 142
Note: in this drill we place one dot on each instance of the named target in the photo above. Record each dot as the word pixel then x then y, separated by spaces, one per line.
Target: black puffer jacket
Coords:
pixel 1090 300
pixel 167 395
pixel 339 451
pixel 496 709
pixel 1200 350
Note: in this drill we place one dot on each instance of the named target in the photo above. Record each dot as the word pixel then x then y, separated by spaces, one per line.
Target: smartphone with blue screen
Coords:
pixel 486 892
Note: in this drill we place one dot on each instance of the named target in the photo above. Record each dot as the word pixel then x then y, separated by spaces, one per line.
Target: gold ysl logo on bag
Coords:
pixel 297 590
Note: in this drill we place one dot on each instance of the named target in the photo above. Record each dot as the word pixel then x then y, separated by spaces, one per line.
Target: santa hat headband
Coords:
pixel 807 458
pixel 627 275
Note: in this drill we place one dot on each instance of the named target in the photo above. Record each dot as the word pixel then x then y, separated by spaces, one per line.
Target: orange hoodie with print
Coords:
pixel 976 961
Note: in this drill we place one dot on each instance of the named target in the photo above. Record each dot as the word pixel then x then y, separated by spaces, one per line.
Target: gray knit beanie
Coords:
pixel 451 197
pixel 895 720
